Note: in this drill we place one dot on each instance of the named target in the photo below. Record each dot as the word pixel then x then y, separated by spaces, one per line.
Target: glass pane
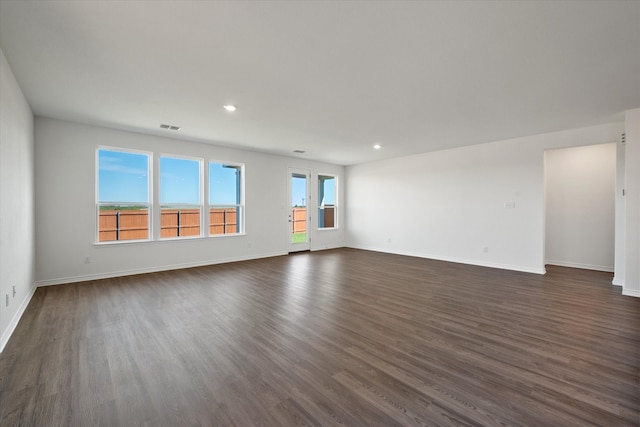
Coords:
pixel 179 221
pixel 224 220
pixel 179 181
pixel 123 177
pixel 326 201
pixel 225 214
pixel 180 197
pixel 123 195
pixel 298 208
pixel 128 222
pixel 224 184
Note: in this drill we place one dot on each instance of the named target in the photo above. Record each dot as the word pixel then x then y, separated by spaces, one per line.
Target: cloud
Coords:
pixel 116 164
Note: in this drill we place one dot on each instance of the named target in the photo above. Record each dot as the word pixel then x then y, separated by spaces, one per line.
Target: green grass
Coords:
pixel 298 237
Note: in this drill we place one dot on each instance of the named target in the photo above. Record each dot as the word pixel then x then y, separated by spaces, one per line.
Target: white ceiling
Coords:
pixel 331 78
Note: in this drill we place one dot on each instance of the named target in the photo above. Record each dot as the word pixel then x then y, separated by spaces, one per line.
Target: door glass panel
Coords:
pixel 298 208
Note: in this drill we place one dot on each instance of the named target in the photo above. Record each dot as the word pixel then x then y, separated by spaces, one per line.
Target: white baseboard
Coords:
pixel 326 247
pixel 631 292
pixel 617 282
pixel 6 334
pixel 108 275
pixel 581 266
pixel 456 260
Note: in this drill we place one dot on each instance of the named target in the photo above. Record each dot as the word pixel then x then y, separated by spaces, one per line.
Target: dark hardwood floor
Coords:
pixel 339 337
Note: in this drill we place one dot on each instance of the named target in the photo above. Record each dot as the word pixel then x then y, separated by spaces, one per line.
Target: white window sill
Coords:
pixel 165 240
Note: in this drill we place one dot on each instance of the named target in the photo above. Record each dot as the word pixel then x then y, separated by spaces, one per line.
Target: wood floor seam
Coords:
pixel 342 337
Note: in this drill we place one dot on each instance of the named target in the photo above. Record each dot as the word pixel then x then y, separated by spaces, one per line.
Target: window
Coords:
pixel 327 214
pixel 124 198
pixel 180 197
pixel 123 204
pixel 225 199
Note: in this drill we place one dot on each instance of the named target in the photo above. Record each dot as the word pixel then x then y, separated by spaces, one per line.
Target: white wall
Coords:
pixel 450 204
pixel 580 206
pixel 65 218
pixel 631 285
pixel 17 245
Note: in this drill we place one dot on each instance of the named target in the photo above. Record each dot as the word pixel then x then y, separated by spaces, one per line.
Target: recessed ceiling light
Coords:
pixel 230 108
pixel 377 146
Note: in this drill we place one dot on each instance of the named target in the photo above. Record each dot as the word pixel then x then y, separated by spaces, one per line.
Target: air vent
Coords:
pixel 299 151
pixel 169 127
pixel 623 138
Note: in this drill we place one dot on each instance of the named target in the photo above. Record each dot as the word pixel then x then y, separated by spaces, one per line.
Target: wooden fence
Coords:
pixel 123 225
pixel 179 222
pixel 329 216
pixel 299 219
pixel 134 224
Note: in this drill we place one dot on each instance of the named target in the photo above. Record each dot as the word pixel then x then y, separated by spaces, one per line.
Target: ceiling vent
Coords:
pixel 169 127
pixel 299 151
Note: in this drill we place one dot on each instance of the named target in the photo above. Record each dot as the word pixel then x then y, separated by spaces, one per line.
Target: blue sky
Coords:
pixel 179 181
pixel 329 191
pixel 299 193
pixel 123 177
pixel 222 184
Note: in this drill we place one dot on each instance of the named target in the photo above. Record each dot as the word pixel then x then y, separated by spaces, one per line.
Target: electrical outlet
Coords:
pixel 485 249
pixel 87 260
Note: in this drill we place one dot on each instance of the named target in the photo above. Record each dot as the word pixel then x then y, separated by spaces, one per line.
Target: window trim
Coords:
pixel 97 203
pixel 153 205
pixel 336 222
pixel 240 219
pixel 201 205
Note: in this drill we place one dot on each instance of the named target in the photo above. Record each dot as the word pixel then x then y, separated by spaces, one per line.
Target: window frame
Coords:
pixel 149 204
pixel 319 202
pixel 200 206
pixel 154 206
pixel 240 206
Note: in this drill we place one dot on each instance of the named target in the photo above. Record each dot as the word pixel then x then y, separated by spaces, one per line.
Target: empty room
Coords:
pixel 356 213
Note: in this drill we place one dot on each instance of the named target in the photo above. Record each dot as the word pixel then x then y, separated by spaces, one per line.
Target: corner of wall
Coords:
pixel 17 202
pixel 631 285
pixel 11 327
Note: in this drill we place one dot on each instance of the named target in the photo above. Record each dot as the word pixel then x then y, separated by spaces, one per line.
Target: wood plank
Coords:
pixel 337 337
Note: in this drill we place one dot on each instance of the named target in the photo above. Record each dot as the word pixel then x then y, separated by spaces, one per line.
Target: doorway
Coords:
pixel 299 218
pixel 580 206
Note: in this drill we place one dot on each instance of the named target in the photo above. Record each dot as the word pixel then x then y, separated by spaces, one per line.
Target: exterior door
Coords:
pixel 299 214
